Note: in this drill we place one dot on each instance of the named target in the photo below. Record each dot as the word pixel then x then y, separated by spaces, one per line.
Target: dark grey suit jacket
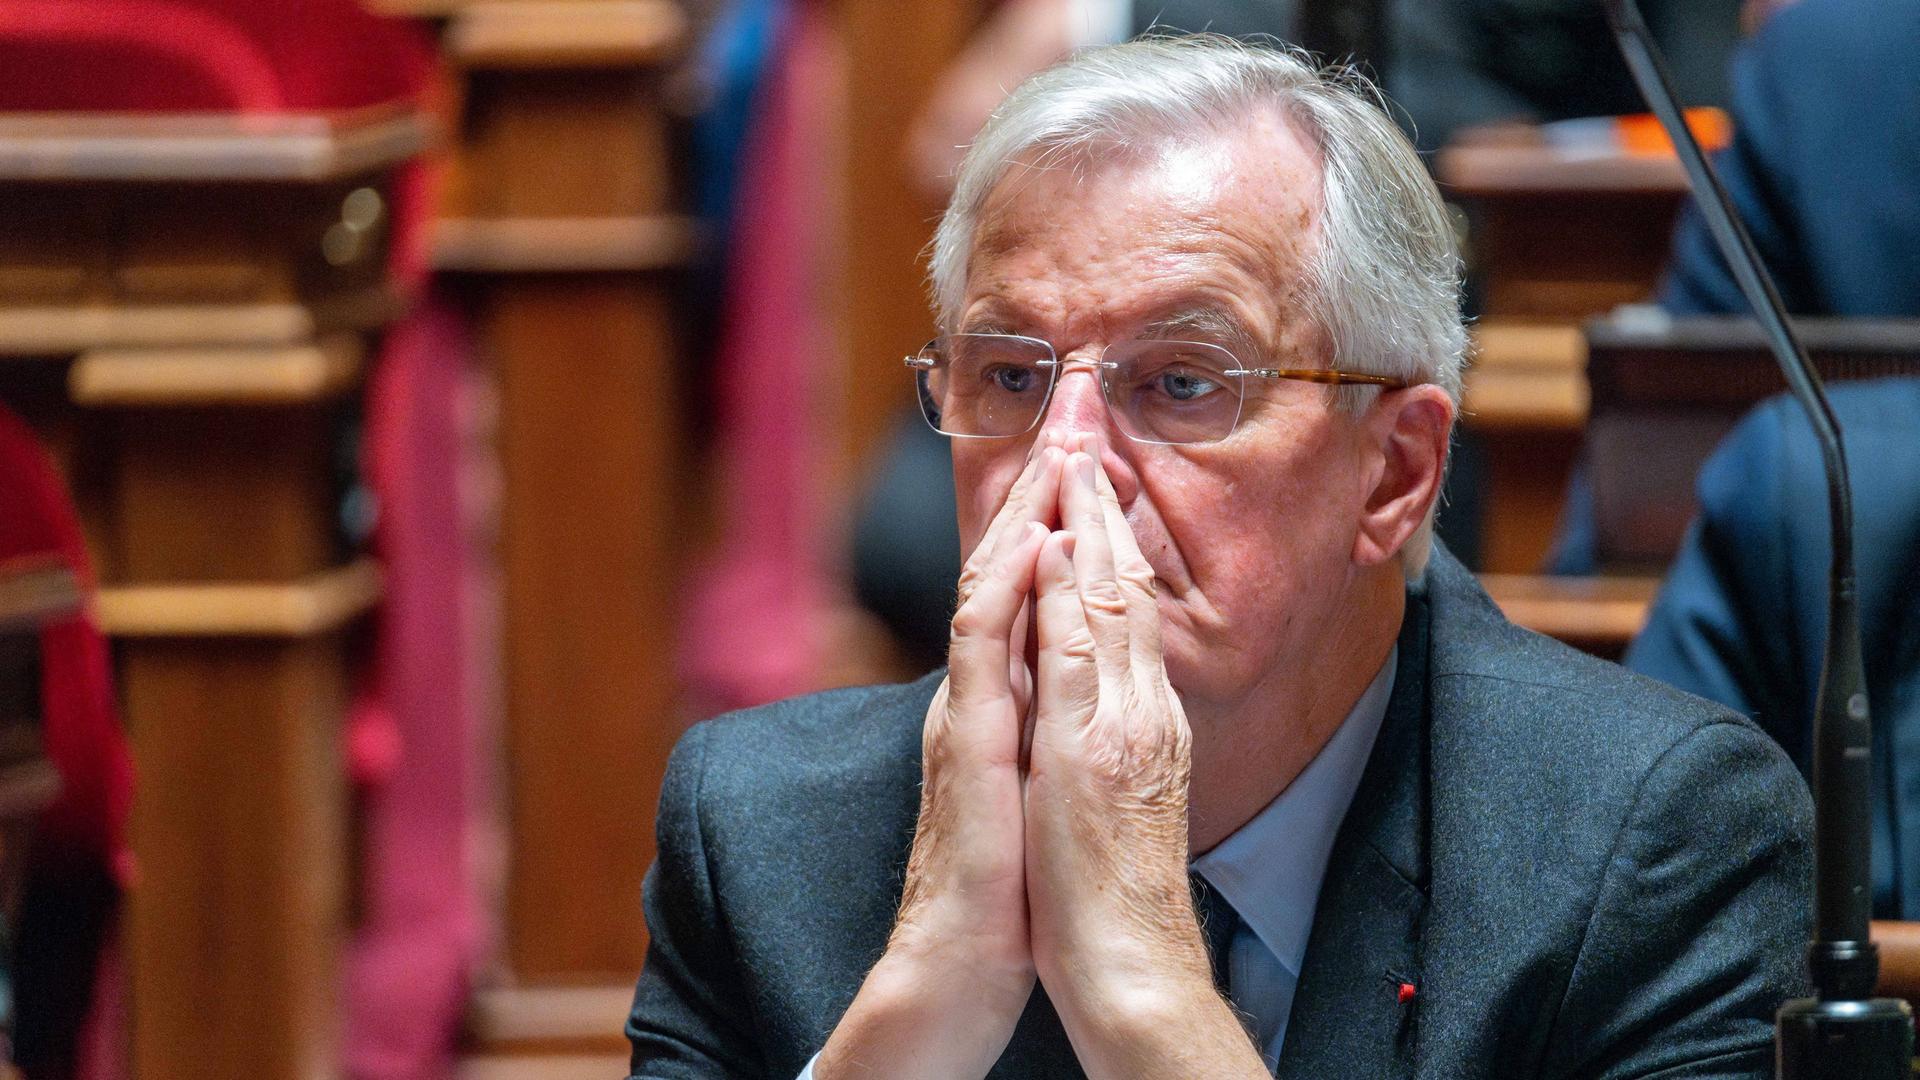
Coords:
pixel 1584 874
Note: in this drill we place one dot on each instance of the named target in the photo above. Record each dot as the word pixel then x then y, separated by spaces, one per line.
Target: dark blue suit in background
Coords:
pixel 1742 616
pixel 1824 166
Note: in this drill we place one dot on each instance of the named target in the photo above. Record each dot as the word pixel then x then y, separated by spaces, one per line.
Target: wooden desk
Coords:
pixel 1558 234
pixel 1526 396
pixel 1598 614
pixel 1665 391
pixel 185 308
pixel 1899 944
pixel 1555 237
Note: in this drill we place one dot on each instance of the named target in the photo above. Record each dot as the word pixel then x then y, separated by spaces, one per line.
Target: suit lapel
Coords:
pixel 1351 1016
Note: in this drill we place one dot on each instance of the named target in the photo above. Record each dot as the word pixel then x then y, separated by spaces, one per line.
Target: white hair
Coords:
pixel 1385 280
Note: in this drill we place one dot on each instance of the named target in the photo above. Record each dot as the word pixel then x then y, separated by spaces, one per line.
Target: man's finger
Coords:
pixel 1104 602
pixel 1068 681
pixel 1029 491
pixel 1019 676
pixel 980 649
pixel 1135 575
pixel 1032 498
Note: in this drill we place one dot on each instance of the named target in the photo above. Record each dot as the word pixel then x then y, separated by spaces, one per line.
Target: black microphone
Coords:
pixel 1843 1032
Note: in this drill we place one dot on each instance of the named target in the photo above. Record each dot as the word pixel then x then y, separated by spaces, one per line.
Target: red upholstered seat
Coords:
pixel 204 55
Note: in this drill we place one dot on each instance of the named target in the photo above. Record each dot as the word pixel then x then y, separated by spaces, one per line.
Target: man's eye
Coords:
pixel 1014 380
pixel 1186 385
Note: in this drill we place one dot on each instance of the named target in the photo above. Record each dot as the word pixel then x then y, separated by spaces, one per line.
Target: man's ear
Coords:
pixel 1407 432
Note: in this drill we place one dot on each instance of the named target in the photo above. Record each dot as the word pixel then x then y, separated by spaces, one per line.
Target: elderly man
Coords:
pixel 1226 775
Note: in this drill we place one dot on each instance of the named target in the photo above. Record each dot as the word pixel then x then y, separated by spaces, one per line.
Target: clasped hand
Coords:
pixel 1052 839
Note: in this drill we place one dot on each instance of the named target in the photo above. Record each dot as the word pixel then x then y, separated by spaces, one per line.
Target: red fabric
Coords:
pixel 421 934
pixel 414 742
pixel 125 49
pixel 753 628
pixel 174 55
pixel 81 726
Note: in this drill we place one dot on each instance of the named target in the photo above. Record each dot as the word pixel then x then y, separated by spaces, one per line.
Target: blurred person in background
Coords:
pixel 1234 769
pixel 1824 167
pixel 1825 171
pixel 1448 64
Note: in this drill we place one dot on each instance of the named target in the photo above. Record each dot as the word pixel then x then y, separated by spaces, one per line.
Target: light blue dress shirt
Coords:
pixel 1270 870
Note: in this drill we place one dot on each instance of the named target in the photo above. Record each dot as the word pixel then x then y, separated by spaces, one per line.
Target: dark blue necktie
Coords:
pixel 1217 924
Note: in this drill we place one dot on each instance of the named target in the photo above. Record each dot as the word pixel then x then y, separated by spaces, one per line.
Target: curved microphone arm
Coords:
pixel 1843 1033
pixel 1842 733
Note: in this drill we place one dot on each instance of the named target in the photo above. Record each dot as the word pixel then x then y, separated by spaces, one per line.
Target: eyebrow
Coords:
pixel 1210 323
pixel 990 324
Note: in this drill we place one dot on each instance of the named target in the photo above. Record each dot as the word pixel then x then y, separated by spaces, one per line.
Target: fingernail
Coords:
pixel 1066 544
pixel 1084 466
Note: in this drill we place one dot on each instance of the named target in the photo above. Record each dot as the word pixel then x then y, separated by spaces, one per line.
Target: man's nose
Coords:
pixel 1078 404
pixel 1079 407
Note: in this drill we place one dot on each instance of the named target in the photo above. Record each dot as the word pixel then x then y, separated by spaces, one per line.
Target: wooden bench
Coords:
pixel 186 304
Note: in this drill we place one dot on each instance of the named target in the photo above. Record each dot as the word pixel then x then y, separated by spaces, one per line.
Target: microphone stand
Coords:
pixel 1843 1032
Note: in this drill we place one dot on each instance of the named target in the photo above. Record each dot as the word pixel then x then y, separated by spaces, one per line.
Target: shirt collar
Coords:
pixel 1270 868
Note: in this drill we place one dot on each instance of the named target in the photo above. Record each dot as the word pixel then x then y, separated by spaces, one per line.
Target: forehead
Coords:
pixel 1221 220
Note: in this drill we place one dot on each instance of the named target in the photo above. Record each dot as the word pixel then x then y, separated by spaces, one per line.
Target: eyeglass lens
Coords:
pixel 987 385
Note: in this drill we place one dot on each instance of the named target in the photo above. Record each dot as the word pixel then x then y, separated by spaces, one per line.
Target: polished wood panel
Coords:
pixel 557 144
pixel 239 825
pixel 1526 376
pixel 592 557
pixel 552 1020
pixel 1526 394
pixel 318 604
pixel 1527 470
pixel 514 245
pixel 1557 235
pixel 1667 390
pixel 544 1067
pixel 307 147
pixel 39 331
pixel 224 494
pixel 895 52
pixel 217 375
pixel 1899 944
pixel 561 225
pixel 567 34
